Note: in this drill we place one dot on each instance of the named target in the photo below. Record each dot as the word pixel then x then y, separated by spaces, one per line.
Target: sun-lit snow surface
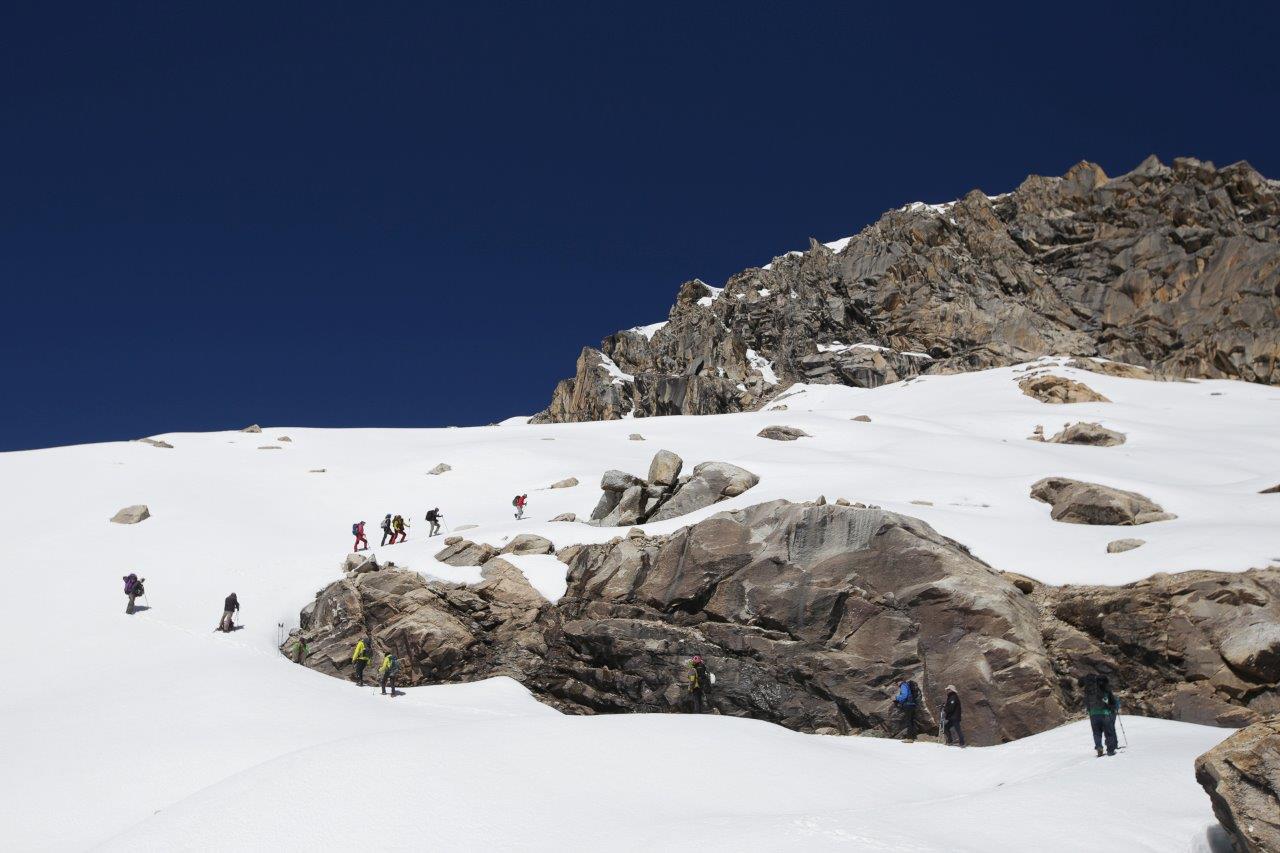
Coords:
pixel 154 732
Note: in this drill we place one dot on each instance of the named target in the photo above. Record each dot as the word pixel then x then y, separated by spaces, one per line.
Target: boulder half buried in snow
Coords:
pixel 1078 502
pixel 782 433
pixel 1058 389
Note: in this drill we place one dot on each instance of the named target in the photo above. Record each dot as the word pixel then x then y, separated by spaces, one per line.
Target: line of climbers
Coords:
pixel 395 528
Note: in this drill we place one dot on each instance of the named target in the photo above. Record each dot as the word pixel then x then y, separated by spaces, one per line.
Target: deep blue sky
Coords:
pixel 413 215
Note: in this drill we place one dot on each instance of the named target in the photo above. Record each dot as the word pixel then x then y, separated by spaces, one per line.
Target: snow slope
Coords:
pixel 154 732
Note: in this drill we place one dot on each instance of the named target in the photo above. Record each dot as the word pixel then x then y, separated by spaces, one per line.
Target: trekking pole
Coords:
pixel 1123 733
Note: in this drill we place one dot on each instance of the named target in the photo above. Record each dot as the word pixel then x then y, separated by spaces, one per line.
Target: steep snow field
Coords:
pixel 154 732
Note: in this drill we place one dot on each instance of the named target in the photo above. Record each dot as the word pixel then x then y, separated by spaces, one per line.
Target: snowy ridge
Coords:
pixel 159 734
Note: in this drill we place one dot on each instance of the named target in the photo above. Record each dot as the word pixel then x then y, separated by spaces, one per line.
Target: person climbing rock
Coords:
pixel 386 529
pixel 434 516
pixel 398 528
pixel 299 650
pixel 357 530
pixel 133 588
pixel 951 712
pixel 390 666
pixel 907 701
pixel 519 503
pixel 229 607
pixel 1102 706
pixel 699 681
pixel 360 657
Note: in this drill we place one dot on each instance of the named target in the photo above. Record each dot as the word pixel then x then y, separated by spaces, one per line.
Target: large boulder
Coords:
pixel 665 468
pixel 711 483
pixel 1057 389
pixel 614 480
pixel 528 543
pixel 132 514
pixel 1077 502
pixel 1242 778
pixel 464 552
pixel 1095 435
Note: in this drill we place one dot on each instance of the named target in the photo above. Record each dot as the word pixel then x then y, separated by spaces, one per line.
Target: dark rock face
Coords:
pixel 1171 268
pixel 1242 777
pixel 808 615
pixel 1077 502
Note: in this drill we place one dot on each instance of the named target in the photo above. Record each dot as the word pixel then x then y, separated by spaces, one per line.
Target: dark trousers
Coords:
pixel 132 597
pixel 388 678
pixel 950 726
pixel 907 716
pixel 1104 725
pixel 435 528
pixel 385 534
pixel 360 672
pixel 696 701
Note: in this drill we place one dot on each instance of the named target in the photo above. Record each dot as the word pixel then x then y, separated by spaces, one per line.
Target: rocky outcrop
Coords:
pixel 782 433
pixel 1077 502
pixel 252 428
pixel 464 552
pixel 1242 778
pixel 1094 435
pixel 1171 270
pixel 809 614
pixel 628 500
pixel 132 514
pixel 1059 390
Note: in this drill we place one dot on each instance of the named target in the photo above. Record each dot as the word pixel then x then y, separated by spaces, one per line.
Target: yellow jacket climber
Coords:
pixel 361 653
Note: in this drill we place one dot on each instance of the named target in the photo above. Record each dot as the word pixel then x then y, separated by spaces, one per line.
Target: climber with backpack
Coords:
pixel 134 589
pixel 434 516
pixel 357 530
pixel 398 528
pixel 229 607
pixel 699 681
pixel 390 666
pixel 1103 707
pixel 907 702
pixel 386 529
pixel 360 657
pixel 951 712
pixel 519 502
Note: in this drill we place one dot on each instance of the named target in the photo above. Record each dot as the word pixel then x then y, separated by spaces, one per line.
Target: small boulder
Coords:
pixel 360 564
pixel 567 483
pixel 452 540
pixel 317 471
pixel 782 433
pixel 284 438
pixel 252 428
pixel 665 468
pixel 155 443
pixel 635 436
pixel 1094 435
pixel 529 543
pixel 271 447
pixel 440 469
pixel 736 480
pixel 842 502
pixel 1241 775
pixel 1058 390
pixel 922 503
pixel 566 516
pixel 862 419
pixel 1119 546
pixel 132 514
pixel 1077 502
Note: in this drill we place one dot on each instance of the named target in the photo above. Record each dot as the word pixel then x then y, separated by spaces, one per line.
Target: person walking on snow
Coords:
pixel 434 516
pixel 358 530
pixel 229 607
pixel 519 503
pixel 398 528
pixel 386 529
pixel 1103 707
pixel 699 681
pixel 133 589
pixel 360 657
pixel 390 666
pixel 907 701
pixel 951 716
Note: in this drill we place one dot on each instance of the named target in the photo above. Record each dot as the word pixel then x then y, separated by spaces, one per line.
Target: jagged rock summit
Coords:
pixel 1171 268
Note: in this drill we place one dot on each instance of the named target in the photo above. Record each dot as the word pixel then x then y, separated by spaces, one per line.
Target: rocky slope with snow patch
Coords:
pixel 1173 268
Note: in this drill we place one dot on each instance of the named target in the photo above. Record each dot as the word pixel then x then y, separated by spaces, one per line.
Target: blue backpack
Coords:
pixel 355 529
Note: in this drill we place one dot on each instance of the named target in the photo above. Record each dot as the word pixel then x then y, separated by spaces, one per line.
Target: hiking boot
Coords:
pixel 1100 752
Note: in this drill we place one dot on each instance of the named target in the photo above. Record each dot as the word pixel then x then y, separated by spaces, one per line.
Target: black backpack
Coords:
pixel 915 692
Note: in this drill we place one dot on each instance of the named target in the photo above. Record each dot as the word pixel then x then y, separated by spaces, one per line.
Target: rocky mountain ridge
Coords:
pixel 1175 268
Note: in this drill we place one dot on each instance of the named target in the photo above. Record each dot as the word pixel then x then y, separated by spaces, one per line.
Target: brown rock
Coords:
pixel 782 433
pixel 1242 777
pixel 1077 502
pixel 1056 389
pixel 1091 434
pixel 1119 546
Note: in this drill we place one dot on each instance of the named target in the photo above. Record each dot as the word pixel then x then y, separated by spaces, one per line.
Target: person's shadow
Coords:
pixel 138 608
